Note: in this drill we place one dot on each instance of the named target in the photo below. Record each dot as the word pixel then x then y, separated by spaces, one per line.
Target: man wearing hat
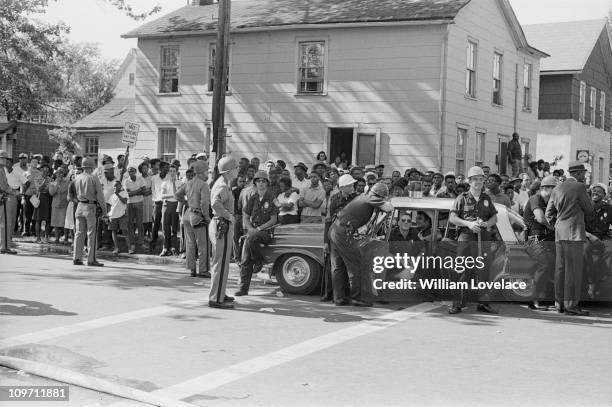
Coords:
pixel 196 194
pixel 598 251
pixel 345 253
pixel 300 181
pixel 90 197
pixel 568 208
pixel 540 238
pixel 7 198
pixel 337 201
pixel 258 216
pixel 474 213
pixel 221 232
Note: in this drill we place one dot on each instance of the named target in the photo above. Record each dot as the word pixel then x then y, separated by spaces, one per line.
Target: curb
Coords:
pixel 89 382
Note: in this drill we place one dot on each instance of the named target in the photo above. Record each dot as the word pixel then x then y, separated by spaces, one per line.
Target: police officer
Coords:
pixel 196 193
pixel 344 249
pixel 90 197
pixel 258 215
pixel 7 196
pixel 540 239
pixel 567 209
pixel 598 251
pixel 337 201
pixel 221 231
pixel 473 212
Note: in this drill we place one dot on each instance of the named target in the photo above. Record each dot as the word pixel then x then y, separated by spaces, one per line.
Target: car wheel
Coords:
pixel 297 274
pixel 518 294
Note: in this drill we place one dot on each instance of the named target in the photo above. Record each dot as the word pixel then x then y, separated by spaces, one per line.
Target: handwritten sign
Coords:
pixel 130 134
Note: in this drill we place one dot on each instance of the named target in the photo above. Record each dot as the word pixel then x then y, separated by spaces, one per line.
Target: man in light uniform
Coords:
pixel 221 231
pixel 7 195
pixel 196 193
pixel 90 196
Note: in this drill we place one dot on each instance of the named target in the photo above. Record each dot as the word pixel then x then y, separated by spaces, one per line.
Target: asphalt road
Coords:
pixel 148 328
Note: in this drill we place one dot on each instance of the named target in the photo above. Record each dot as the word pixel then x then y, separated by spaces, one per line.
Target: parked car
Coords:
pixel 296 252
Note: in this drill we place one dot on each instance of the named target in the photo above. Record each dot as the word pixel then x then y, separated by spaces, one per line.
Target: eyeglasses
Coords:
pixel 405 220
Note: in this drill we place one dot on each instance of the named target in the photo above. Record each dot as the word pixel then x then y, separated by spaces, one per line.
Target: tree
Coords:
pixel 66 138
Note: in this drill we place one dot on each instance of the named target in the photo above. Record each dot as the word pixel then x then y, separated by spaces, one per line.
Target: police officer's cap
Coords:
pixel 549 181
pixel 23 155
pixel 576 166
pixel 226 164
pixel 88 163
pixel 345 180
pixel 261 175
pixel 200 167
pixel 380 190
pixel 475 171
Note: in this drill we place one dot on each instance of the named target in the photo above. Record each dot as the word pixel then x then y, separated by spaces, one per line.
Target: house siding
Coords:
pixel 474 22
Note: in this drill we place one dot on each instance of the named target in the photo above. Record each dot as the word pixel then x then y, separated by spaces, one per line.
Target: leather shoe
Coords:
pixel 577 311
pixel 164 253
pixel 454 310
pixel 326 298
pixel 343 302
pixel 222 305
pixel 8 251
pixel 361 303
pixel 194 273
pixel 77 262
pixel 227 298
pixel 536 306
pixel 95 264
pixel 240 293
pixel 486 308
pixel 204 274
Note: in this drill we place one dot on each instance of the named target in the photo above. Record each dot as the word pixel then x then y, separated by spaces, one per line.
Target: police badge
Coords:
pixel 266 205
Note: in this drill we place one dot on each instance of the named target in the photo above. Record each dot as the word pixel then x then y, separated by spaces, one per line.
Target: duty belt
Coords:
pixel 86 201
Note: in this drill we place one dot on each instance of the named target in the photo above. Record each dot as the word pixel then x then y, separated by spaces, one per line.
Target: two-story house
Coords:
pixel 434 84
pixel 575 91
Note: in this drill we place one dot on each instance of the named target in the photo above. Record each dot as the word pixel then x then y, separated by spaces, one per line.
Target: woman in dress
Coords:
pixel 148 208
pixel 43 212
pixel 58 189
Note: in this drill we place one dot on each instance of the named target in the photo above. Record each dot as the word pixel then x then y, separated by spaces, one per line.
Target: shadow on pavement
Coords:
pixel 10 306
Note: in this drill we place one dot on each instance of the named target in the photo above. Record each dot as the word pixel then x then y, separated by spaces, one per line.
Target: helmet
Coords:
pixel 262 175
pixel 345 180
pixel 3 154
pixel 380 190
pixel 226 164
pixel 475 171
pixel 88 162
pixel 200 167
pixel 549 181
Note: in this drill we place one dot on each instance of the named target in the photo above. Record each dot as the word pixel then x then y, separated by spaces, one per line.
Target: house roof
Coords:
pixel 251 14
pixel 112 115
pixel 569 43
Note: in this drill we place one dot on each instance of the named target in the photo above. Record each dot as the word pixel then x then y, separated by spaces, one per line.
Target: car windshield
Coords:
pixel 517 223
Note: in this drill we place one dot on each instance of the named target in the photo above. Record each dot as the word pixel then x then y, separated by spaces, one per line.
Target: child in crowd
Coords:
pixel 118 216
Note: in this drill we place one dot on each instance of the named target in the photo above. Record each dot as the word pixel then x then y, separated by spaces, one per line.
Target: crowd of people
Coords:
pixel 230 222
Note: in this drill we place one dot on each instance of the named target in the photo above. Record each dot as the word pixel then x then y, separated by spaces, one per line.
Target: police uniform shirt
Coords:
pixel 600 225
pixel 88 189
pixel 359 211
pixel 337 202
pixel 468 208
pixel 197 194
pixel 533 226
pixel 222 199
pixel 260 210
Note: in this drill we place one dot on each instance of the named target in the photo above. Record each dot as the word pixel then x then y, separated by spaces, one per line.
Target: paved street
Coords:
pixel 147 328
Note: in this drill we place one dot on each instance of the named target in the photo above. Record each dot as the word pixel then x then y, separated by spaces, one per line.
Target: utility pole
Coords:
pixel 220 79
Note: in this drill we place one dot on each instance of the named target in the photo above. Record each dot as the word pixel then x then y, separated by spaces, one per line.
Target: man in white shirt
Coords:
pixel 311 199
pixel 300 181
pixel 170 213
pixel 135 185
pixel 159 171
pixel 117 215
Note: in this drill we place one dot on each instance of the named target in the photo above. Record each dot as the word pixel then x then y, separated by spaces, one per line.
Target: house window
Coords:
pixel 527 72
pixel 592 106
pixel 311 70
pixel 131 79
pixel 212 58
pixel 169 69
pixel 167 144
pixel 92 145
pixel 460 151
pixel 470 73
pixel 582 107
pixel 497 78
pixel 479 155
pixel 602 109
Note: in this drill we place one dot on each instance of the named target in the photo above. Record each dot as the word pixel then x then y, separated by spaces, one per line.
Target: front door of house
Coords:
pixel 341 143
pixel 502 156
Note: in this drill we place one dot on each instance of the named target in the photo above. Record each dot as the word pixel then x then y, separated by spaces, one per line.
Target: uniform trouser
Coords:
pixel 327 288
pixel 543 252
pixel 598 259
pixel 8 211
pixel 220 256
pixel 250 255
pixel 568 272
pixel 157 221
pixel 170 222
pixel 85 223
pixel 196 238
pixel 237 234
pixel 28 215
pixel 467 246
pixel 345 260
